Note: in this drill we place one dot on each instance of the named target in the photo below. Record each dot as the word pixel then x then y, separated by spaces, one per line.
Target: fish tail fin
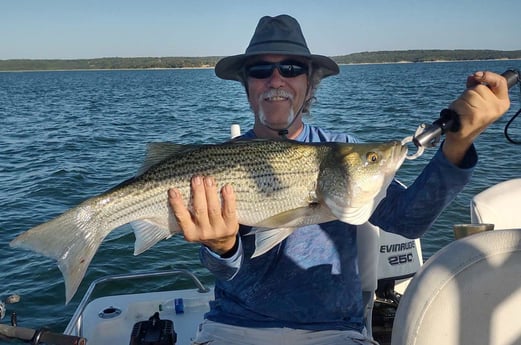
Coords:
pixel 71 239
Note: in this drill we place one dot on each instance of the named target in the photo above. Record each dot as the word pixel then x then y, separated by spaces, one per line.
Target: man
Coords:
pixel 306 290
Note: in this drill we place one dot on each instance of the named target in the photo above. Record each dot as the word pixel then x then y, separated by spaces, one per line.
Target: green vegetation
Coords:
pixel 210 61
pixel 427 56
pixel 108 63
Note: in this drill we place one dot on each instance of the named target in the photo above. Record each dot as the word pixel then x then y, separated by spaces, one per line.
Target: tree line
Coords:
pixel 427 56
pixel 210 61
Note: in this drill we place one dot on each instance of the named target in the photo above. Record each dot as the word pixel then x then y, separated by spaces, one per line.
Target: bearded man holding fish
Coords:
pixel 300 284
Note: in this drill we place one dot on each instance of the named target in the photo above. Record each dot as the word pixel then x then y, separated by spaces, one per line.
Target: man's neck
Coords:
pixel 262 131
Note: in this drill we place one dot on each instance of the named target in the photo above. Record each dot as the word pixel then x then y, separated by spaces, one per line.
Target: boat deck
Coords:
pixel 111 319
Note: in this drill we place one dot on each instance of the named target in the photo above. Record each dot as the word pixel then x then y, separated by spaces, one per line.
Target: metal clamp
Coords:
pixel 410 139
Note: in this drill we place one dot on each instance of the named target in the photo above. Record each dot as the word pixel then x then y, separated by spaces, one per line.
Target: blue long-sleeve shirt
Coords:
pixel 310 280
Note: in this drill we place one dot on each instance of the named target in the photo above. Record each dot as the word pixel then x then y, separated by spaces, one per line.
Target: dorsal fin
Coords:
pixel 157 152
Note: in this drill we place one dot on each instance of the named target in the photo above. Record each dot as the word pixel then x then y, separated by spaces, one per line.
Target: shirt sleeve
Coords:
pixel 222 268
pixel 411 211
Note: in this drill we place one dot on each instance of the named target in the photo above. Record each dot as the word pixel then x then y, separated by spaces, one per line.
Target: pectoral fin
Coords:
pixel 271 231
pixel 314 213
pixel 267 239
pixel 148 232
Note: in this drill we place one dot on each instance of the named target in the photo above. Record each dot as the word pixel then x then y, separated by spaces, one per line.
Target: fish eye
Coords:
pixel 371 157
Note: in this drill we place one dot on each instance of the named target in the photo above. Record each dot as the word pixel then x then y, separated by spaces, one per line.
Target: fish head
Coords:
pixel 353 178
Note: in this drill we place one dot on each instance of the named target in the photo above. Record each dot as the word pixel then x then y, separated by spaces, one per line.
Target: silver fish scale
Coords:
pixel 262 173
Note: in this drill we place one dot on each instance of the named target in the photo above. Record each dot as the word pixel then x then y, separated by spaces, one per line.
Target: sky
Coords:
pixel 71 29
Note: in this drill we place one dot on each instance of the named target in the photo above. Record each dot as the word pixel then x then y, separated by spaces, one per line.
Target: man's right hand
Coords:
pixel 210 223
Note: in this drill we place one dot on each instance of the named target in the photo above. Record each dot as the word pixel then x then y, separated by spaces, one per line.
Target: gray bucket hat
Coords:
pixel 280 35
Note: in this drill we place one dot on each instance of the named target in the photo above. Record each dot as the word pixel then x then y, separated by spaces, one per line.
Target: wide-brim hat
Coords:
pixel 280 35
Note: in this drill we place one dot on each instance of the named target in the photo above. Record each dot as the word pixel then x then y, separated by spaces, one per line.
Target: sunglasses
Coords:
pixel 287 69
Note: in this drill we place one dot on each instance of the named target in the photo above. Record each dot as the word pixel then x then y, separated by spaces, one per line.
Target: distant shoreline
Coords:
pixel 434 61
pixel 159 63
pixel 106 69
pixel 212 67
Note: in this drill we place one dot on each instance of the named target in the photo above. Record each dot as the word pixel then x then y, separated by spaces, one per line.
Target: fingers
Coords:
pixel 229 209
pixel 210 223
pixel 484 101
pixel 183 217
pixel 181 213
pixel 493 81
pixel 207 209
pixel 201 190
pixel 213 204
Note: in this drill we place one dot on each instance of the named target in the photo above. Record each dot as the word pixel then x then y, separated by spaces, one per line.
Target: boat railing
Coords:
pixel 74 326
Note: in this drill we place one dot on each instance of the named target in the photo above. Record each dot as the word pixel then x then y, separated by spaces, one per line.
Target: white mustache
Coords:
pixel 277 93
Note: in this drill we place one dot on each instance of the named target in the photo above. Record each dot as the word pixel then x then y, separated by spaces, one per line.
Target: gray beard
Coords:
pixel 262 118
pixel 274 93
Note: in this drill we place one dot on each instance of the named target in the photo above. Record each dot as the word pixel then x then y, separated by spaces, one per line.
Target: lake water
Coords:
pixel 66 136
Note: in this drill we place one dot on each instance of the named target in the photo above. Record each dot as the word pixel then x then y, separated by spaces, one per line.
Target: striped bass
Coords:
pixel 279 186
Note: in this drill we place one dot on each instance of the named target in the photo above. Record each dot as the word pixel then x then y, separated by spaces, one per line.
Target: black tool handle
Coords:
pixel 512 76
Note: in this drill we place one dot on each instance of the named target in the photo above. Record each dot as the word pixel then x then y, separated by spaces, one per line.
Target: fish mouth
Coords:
pixel 399 154
pixel 403 150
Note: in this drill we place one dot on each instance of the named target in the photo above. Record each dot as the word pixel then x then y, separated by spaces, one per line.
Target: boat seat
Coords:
pixel 498 205
pixel 383 255
pixel 469 292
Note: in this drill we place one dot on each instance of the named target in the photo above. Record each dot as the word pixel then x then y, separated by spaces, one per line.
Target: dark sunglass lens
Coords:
pixel 287 69
pixel 291 70
pixel 260 71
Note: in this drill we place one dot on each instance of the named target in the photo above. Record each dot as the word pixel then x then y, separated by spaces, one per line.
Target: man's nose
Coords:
pixel 276 80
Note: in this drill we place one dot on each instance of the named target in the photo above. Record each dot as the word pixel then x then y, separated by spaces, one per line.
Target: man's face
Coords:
pixel 275 99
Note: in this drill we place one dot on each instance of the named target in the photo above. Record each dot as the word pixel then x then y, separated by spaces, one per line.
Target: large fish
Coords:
pixel 279 186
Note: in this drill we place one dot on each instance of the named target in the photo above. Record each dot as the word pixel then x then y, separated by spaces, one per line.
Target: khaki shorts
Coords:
pixel 214 333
